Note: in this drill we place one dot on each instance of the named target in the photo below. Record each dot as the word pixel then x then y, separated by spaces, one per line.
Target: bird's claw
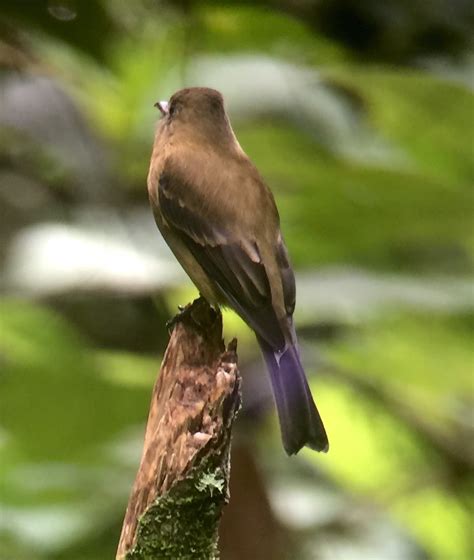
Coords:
pixel 183 311
pixel 192 311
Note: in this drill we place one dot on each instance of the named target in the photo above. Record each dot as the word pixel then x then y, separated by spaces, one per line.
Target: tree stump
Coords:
pixel 183 479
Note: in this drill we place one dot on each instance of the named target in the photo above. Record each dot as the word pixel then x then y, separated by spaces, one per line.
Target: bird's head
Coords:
pixel 200 110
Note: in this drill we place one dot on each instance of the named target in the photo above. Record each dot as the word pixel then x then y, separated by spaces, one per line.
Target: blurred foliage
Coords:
pixel 370 157
pixel 402 421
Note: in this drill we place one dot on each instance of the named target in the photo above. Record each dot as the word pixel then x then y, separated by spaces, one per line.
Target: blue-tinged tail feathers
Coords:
pixel 300 422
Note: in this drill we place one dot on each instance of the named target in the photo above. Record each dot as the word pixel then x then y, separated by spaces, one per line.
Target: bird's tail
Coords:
pixel 300 422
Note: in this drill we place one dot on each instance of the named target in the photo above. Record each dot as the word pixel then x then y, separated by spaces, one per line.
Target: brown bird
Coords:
pixel 221 222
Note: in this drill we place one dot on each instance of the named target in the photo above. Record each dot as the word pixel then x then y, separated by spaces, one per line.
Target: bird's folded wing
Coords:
pixel 234 265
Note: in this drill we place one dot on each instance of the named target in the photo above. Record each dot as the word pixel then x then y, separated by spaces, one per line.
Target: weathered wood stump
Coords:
pixel 183 479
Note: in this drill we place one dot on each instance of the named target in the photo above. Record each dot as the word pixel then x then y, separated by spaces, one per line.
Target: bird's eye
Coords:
pixel 172 110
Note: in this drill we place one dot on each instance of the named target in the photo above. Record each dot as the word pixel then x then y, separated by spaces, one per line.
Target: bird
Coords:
pixel 220 220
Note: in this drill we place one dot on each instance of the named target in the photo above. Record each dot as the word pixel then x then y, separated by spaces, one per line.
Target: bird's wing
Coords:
pixel 287 277
pixel 234 265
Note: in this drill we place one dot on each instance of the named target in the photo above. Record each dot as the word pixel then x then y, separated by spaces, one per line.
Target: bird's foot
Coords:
pixel 183 312
pixel 198 312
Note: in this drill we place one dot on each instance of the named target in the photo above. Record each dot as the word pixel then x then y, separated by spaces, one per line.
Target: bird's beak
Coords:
pixel 162 106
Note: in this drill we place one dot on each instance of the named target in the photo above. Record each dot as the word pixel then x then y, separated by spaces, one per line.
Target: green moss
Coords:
pixel 183 523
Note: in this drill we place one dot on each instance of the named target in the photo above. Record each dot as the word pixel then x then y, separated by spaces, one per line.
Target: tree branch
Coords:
pixel 182 482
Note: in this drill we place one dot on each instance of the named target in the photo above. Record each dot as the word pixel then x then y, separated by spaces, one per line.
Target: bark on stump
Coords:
pixel 183 479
